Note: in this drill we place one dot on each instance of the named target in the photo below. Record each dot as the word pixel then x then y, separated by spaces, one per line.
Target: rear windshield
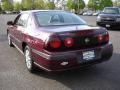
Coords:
pixel 57 18
pixel 111 11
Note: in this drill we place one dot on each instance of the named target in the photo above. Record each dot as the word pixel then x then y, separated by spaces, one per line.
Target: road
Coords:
pixel 14 75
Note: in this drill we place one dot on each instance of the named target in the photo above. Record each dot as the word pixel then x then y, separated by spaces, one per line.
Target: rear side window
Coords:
pixel 22 21
pixel 30 22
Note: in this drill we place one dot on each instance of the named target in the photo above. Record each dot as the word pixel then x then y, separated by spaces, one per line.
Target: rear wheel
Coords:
pixel 9 41
pixel 28 59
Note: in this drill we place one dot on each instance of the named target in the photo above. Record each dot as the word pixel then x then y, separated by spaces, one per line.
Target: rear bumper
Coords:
pixel 72 59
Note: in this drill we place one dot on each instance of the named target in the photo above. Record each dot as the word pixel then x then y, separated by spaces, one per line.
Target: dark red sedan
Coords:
pixel 58 40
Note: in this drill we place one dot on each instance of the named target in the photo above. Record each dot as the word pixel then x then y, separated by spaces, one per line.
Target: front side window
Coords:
pixel 53 18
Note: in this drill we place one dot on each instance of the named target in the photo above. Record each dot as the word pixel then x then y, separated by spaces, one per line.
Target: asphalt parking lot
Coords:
pixel 14 75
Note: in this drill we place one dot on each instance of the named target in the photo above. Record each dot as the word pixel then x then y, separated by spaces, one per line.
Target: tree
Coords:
pixel 39 4
pixel 93 4
pixel 17 6
pixel 116 4
pixel 0 8
pixel 99 4
pixel 79 5
pixel 70 4
pixel 106 3
pixel 27 4
pixel 7 6
pixel 50 5
pixel 75 4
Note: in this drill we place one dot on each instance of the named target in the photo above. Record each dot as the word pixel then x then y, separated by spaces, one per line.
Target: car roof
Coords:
pixel 33 11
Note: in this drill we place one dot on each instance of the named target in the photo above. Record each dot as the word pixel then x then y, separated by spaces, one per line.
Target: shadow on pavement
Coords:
pixel 98 76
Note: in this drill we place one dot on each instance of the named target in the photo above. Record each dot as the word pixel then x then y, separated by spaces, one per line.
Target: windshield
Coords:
pixel 53 18
pixel 111 11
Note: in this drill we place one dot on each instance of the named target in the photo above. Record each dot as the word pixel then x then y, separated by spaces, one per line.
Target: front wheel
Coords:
pixel 28 59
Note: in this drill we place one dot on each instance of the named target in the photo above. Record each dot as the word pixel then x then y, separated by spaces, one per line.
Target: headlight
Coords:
pixel 118 20
pixel 98 18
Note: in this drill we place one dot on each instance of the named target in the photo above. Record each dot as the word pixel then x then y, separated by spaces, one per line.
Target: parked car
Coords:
pixel 15 12
pixel 3 12
pixel 96 13
pixel 81 13
pixel 8 12
pixel 109 18
pixel 58 40
pixel 87 13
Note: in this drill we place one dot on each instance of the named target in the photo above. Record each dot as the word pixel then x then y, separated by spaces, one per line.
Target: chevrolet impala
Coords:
pixel 56 40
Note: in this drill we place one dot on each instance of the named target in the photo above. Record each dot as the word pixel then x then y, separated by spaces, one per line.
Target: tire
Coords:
pixel 9 41
pixel 28 60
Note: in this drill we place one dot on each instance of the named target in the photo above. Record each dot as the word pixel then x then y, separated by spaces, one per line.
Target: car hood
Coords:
pixel 57 29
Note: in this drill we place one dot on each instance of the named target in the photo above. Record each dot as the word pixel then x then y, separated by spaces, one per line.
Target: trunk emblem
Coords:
pixel 64 63
pixel 87 40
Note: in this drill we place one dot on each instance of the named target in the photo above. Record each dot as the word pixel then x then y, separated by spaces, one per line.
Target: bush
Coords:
pixel 7 6
pixel 39 4
pixel 0 8
pixel 50 5
pixel 17 6
pixel 27 4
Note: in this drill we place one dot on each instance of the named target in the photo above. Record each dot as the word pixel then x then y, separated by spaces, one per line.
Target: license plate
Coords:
pixel 107 25
pixel 89 55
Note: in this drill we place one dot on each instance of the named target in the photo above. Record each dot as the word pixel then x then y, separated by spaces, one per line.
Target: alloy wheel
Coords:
pixel 28 59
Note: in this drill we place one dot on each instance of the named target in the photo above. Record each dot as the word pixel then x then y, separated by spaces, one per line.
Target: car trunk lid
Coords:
pixel 83 38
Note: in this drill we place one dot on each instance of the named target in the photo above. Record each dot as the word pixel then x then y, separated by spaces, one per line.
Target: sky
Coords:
pixel 86 1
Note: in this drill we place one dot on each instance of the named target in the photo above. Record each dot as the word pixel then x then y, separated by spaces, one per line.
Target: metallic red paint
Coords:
pixel 67 53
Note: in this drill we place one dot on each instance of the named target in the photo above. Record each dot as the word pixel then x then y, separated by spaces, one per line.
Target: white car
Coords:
pixel 87 13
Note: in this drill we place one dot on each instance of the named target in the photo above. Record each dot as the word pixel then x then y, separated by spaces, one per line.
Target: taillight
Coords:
pixel 100 38
pixel 103 38
pixel 55 43
pixel 107 38
pixel 68 42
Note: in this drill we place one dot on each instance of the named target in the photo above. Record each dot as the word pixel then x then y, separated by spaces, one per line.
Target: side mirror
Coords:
pixel 10 23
